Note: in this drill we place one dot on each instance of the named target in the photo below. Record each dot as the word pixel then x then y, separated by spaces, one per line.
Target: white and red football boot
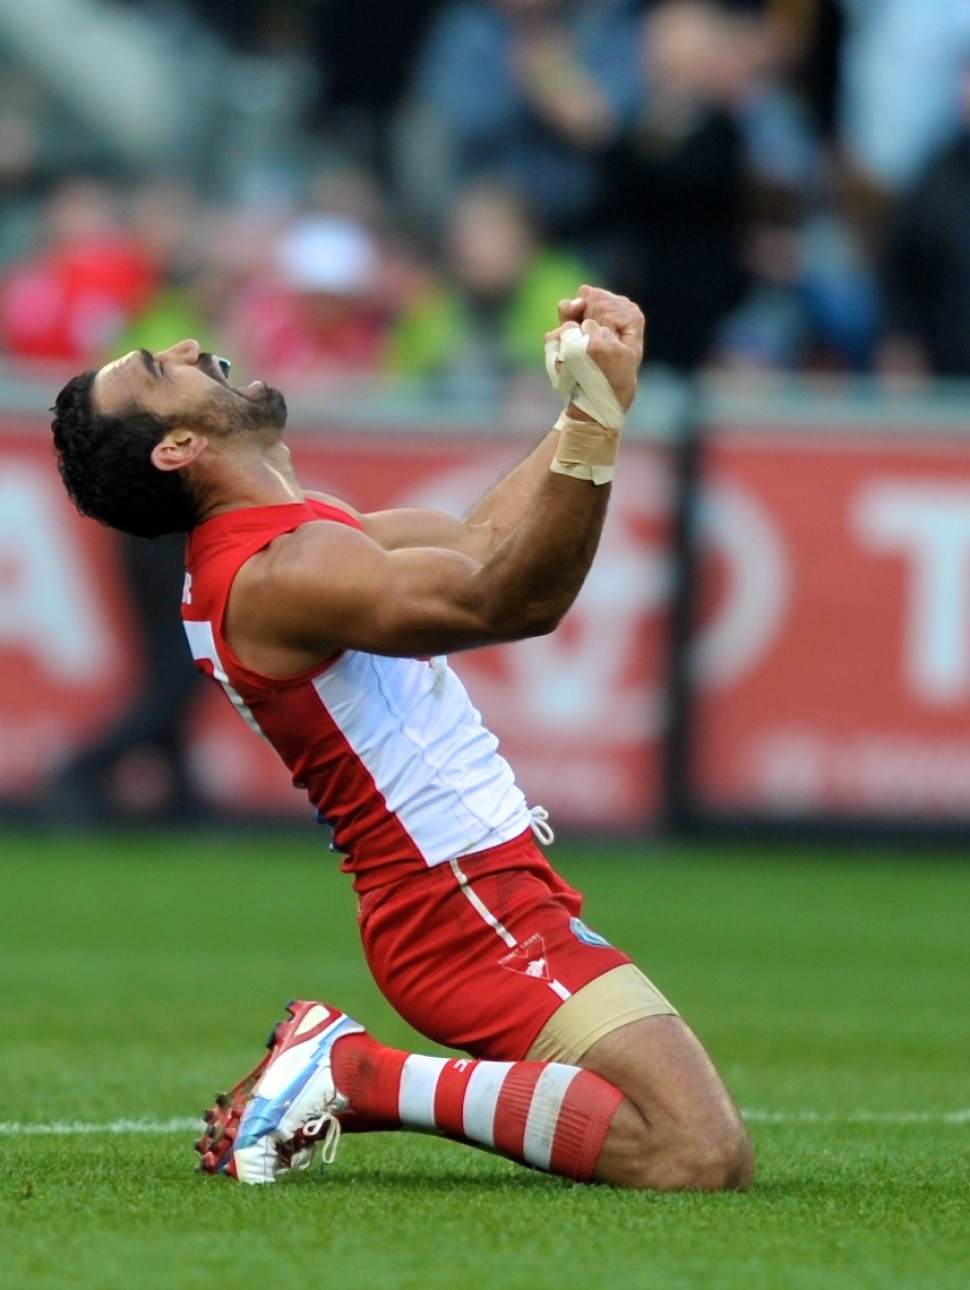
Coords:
pixel 273 1120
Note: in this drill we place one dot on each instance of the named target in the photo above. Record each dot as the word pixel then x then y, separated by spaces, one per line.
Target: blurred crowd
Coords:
pixel 784 185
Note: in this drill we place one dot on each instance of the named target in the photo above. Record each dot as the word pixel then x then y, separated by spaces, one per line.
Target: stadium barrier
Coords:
pixel 776 628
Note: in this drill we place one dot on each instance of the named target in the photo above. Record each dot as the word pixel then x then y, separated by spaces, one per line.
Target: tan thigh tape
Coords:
pixel 612 1000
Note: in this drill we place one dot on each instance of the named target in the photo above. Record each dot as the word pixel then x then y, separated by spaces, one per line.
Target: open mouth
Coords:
pixel 216 368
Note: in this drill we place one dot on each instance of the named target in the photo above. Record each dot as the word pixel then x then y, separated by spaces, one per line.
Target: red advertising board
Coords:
pixel 65 662
pixel 578 714
pixel 833 661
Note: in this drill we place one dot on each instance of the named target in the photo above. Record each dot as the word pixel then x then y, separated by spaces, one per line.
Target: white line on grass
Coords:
pixel 73 1128
pixel 858 1117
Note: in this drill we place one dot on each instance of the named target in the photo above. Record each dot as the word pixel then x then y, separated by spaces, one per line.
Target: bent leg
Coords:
pixel 679 1127
pixel 644 1108
pixel 495 961
pixel 574 1120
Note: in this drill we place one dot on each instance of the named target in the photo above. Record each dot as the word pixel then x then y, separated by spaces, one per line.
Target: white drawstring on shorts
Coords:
pixel 539 823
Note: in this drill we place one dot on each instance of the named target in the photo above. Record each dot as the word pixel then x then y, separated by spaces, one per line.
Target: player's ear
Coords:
pixel 178 448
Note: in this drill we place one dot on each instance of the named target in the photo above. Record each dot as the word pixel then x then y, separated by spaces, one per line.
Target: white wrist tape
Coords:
pixel 586 450
pixel 580 381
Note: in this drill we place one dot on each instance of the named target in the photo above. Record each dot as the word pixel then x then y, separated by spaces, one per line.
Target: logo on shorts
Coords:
pixel 528 958
pixel 587 935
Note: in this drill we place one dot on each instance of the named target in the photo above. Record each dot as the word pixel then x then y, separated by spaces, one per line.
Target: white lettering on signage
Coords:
pixel 895 772
pixel 928 526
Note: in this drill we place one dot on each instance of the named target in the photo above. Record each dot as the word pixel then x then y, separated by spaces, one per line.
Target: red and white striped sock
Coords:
pixel 545 1114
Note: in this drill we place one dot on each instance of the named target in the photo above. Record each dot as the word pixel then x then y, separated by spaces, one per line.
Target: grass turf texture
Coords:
pixel 140 974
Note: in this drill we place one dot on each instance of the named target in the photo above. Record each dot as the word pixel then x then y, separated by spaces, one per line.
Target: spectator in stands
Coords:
pixel 518 90
pixel 926 268
pixel 317 312
pixel 363 78
pixel 899 85
pixel 21 182
pixel 194 275
pixel 479 319
pixel 812 300
pixel 674 178
pixel 69 301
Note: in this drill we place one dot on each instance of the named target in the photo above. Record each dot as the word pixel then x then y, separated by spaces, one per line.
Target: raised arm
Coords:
pixel 327 587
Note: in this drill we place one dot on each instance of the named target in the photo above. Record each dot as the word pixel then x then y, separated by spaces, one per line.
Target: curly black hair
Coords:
pixel 105 463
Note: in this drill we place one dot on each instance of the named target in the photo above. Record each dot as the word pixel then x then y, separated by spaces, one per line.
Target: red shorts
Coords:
pixel 477 954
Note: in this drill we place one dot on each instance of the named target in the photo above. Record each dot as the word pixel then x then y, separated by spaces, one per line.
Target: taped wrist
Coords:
pixel 586 450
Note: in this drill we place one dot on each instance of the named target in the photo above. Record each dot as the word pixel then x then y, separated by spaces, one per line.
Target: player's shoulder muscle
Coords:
pixel 311 556
pixel 337 503
pixel 305 589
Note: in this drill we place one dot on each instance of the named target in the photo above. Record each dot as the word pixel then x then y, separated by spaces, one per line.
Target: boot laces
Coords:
pixel 323 1129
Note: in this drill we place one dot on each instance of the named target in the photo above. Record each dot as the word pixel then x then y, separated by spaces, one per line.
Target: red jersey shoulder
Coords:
pixel 218 548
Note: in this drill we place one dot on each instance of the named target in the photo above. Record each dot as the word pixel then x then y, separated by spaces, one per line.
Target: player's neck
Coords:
pixel 243 479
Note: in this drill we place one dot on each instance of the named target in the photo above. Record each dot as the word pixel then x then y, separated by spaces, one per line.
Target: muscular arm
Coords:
pixel 327 586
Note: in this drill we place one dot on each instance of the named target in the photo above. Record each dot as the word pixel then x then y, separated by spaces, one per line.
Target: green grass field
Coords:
pixel 140 974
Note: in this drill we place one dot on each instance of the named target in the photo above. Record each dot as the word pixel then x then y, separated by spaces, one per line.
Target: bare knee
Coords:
pixel 718 1161
pixel 678 1128
pixel 705 1157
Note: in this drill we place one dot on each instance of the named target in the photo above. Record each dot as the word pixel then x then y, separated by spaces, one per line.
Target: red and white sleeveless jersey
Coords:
pixel 390 750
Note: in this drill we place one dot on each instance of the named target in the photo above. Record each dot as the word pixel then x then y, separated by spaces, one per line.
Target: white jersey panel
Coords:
pixel 202 644
pixel 417 734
